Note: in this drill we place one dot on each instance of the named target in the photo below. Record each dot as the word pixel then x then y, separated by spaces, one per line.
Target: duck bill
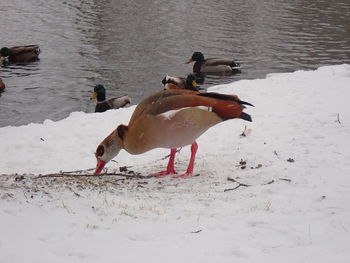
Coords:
pixel 189 61
pixel 194 83
pixel 93 96
pixel 99 167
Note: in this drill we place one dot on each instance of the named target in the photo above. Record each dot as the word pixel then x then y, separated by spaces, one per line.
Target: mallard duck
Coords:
pixel 170 119
pixel 114 103
pixel 2 85
pixel 20 53
pixel 189 83
pixel 212 65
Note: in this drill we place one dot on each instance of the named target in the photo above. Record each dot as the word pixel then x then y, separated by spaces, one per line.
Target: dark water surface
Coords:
pixel 129 45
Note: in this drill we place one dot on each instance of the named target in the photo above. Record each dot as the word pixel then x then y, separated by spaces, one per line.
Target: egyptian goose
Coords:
pixel 170 119
pixel 19 54
pixel 2 85
pixel 212 65
pixel 189 83
pixel 114 103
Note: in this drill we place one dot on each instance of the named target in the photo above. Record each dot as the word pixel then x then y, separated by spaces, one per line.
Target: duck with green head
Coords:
pixel 20 54
pixel 212 65
pixel 189 83
pixel 114 103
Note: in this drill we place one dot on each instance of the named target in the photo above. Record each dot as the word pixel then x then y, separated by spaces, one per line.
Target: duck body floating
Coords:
pixel 188 83
pixel 2 85
pixel 20 54
pixel 170 119
pixel 212 65
pixel 114 103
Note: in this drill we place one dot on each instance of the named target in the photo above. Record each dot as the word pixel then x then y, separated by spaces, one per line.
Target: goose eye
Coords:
pixel 100 151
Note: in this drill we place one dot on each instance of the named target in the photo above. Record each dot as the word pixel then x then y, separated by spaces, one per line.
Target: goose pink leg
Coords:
pixel 189 172
pixel 170 168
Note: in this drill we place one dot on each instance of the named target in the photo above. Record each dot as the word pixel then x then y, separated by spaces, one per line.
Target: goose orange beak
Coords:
pixel 189 61
pixel 99 167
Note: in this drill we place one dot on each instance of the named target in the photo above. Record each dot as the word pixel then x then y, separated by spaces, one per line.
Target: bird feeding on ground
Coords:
pixel 170 119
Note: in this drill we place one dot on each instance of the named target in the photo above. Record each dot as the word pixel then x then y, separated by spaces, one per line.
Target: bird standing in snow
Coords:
pixel 114 103
pixel 170 119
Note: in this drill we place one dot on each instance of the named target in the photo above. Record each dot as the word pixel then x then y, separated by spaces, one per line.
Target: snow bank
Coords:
pixel 291 204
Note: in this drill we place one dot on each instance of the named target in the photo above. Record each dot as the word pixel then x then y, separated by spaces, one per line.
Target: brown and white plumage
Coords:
pixel 113 103
pixel 189 83
pixel 212 65
pixel 170 119
pixel 2 85
pixel 20 53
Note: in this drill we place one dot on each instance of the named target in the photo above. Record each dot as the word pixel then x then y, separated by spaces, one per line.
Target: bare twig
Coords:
pixel 89 175
pixel 234 188
pixel 24 193
pixel 244 185
pixel 338 119
pixel 235 181
pixel 245 132
pixel 285 179
pixel 77 171
pixel 269 182
pixel 75 193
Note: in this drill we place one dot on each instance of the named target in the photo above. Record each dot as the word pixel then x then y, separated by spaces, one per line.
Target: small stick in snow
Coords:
pixel 245 132
pixel 270 182
pixel 241 184
pixel 285 179
pixel 89 175
pixel 338 119
pixel 24 193
pixel 76 171
pixel 235 181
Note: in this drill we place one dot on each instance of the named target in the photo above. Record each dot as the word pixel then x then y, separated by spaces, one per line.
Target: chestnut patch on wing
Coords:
pixel 100 151
pixel 122 130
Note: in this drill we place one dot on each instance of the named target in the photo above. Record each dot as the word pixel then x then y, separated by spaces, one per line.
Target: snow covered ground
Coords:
pixel 279 194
